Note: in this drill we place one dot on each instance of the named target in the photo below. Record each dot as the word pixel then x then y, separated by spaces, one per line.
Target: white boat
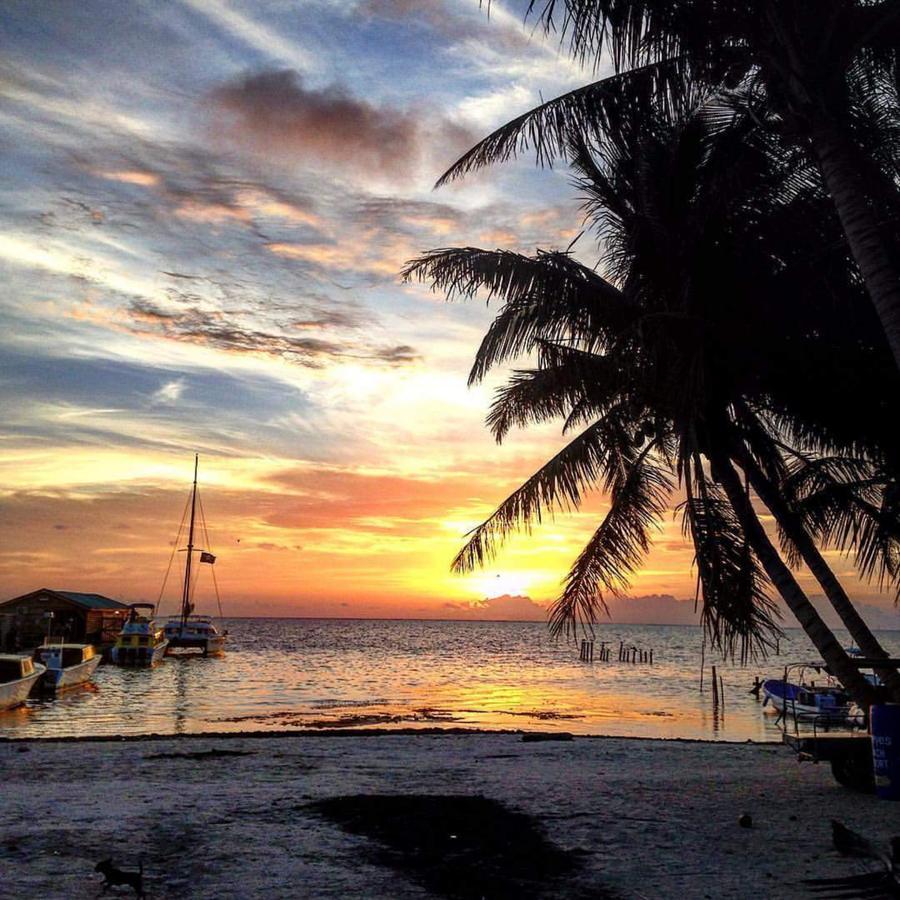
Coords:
pixel 806 701
pixel 68 665
pixel 141 642
pixel 18 675
pixel 187 632
pixel 192 633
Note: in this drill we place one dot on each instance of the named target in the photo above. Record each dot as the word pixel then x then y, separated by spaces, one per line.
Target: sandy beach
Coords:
pixel 237 816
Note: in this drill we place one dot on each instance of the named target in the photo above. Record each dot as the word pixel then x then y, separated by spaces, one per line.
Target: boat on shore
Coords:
pixel 186 632
pixel 18 675
pixel 68 665
pixel 141 642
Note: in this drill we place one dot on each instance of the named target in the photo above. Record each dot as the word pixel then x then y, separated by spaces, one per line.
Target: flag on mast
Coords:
pixel 207 557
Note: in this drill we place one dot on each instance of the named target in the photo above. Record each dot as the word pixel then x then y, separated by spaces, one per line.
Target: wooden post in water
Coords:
pixel 651 656
pixel 702 662
pixel 715 688
pixel 722 692
pixel 621 648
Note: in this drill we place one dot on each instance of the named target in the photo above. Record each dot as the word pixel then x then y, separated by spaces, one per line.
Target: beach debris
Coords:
pixel 880 884
pixel 534 737
pixel 114 876
pixel 746 821
pixel 459 846
pixel 214 753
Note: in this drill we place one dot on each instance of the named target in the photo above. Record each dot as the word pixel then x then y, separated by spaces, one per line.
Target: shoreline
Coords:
pixel 428 731
pixel 239 815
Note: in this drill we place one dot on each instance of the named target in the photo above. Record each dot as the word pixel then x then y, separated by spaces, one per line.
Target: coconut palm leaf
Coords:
pixel 853 506
pixel 591 460
pixel 575 390
pixel 639 496
pixel 737 613
pixel 593 111
pixel 548 296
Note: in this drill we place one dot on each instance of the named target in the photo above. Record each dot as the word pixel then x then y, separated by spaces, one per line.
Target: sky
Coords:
pixel 207 205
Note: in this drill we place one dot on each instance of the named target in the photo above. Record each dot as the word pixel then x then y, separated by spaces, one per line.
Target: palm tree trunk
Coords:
pixel 860 221
pixel 781 576
pixel 809 552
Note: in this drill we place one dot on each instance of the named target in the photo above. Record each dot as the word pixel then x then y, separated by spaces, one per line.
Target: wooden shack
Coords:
pixel 77 617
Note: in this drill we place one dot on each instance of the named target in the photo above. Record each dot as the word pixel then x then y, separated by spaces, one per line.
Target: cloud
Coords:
pixel 253 33
pixel 507 606
pixel 170 391
pixel 274 112
pixel 449 21
pixel 657 609
pixel 215 328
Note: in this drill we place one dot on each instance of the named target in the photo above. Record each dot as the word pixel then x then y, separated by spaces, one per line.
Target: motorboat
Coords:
pixel 68 665
pixel 18 675
pixel 142 642
pixel 807 701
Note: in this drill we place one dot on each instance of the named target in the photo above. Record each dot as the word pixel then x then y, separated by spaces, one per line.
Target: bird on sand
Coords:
pixel 881 884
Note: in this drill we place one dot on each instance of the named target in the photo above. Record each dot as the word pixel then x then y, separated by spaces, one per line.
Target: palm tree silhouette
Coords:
pixel 827 72
pixel 686 358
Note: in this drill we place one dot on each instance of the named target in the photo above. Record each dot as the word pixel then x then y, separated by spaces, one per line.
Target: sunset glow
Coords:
pixel 207 209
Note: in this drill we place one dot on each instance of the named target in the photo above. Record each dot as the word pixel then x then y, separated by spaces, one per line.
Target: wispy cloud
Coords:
pixel 254 33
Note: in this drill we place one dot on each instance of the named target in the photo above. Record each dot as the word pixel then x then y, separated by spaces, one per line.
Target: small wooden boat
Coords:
pixel 18 675
pixel 68 665
pixel 806 701
pixel 141 642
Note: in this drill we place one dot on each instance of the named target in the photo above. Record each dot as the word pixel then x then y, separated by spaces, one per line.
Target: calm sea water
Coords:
pixel 288 674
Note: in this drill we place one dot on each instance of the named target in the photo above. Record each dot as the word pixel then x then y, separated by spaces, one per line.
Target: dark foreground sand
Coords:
pixel 638 818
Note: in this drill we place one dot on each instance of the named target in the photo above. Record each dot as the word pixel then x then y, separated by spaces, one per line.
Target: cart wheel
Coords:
pixel 855 772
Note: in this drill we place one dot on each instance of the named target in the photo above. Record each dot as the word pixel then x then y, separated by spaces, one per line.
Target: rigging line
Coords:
pixel 172 555
pixel 209 548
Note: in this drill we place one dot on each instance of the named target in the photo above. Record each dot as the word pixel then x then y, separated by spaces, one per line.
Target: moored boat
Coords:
pixel 195 633
pixel 187 632
pixel 18 675
pixel 807 701
pixel 141 642
pixel 68 665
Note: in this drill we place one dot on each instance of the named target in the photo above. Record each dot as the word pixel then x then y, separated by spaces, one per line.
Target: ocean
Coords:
pixel 290 674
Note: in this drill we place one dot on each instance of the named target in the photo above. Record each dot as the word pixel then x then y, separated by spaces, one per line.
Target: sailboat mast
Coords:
pixel 186 595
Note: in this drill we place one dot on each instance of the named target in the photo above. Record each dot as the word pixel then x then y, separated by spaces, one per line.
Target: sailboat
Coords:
pixel 186 632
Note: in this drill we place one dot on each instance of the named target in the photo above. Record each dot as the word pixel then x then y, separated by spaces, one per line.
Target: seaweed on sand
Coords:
pixel 455 846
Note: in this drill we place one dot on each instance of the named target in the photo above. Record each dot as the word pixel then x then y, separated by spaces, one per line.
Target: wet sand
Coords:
pixel 237 817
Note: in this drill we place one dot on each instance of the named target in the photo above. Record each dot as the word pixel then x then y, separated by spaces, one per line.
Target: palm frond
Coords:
pixel 853 506
pixel 639 496
pixel 549 296
pixel 593 111
pixel 738 615
pixel 584 385
pixel 592 459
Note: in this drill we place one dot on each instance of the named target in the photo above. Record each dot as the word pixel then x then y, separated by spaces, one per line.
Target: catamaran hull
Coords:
pixel 205 646
pixel 71 676
pixel 15 693
pixel 139 657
